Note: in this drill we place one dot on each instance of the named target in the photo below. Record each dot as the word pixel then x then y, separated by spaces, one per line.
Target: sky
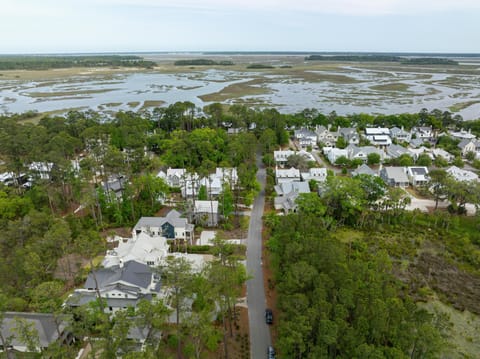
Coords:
pixel 78 26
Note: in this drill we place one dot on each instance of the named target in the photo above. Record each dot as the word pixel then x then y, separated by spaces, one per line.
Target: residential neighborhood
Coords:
pixel 190 238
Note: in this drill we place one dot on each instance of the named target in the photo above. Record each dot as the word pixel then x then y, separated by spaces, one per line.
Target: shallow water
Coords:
pixel 288 93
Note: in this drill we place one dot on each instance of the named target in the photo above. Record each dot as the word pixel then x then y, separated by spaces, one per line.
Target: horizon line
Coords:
pixel 247 52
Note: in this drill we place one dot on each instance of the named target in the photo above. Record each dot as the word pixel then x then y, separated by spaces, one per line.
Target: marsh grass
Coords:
pixel 462 105
pixel 394 86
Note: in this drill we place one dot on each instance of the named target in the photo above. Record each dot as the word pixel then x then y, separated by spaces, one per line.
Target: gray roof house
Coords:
pixel 287 194
pixel 461 175
pixel 283 189
pixel 350 134
pixel 400 134
pixel 114 187
pixel 361 153
pixel 394 176
pixel 416 142
pixel 469 145
pixel 171 226
pixel 287 175
pixel 363 169
pixel 48 327
pixel 120 286
pixel 395 151
pixel 306 137
pixel 325 136
pixel 425 133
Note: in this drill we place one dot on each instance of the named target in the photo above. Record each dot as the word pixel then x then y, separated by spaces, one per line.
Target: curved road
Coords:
pixel 259 331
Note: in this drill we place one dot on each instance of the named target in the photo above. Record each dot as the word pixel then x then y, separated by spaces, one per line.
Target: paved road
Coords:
pixel 259 331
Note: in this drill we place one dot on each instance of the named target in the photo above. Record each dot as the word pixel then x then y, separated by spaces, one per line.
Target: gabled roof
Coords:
pixel 172 217
pixel 206 206
pixel 287 173
pixel 347 131
pixel 363 169
pixel 316 173
pixel 178 172
pixel 44 324
pixel 397 174
pixel 355 150
pixel 463 143
pixel 395 151
pixel 282 155
pixel 295 186
pixel 416 142
pixel 132 273
pixel 143 248
pixel 115 184
pixel 462 175
pixel 303 132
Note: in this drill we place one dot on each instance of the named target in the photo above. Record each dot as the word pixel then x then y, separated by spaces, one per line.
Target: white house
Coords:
pixel 287 195
pixel 175 177
pixel 424 133
pixel 416 152
pixel 227 174
pixel 41 170
pixel 316 174
pixel 361 153
pixel 206 213
pixel 469 145
pixel 142 248
pixel 378 136
pixel 462 175
pixel 306 138
pixel 418 175
pixel 120 286
pixel 462 134
pixel 334 153
pixel 287 175
pixel 439 152
pixel 172 226
pixel 400 134
pixel 281 156
pixel 324 136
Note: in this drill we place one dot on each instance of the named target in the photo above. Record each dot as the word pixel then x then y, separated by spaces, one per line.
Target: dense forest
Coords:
pixel 349 273
pixel 40 62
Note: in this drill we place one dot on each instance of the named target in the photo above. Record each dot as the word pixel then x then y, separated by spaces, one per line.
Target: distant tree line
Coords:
pixel 36 62
pixel 384 58
pixel 260 66
pixel 202 62
pixel 428 61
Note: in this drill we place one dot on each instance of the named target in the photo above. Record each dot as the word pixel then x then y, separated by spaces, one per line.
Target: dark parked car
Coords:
pixel 268 316
pixel 270 352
